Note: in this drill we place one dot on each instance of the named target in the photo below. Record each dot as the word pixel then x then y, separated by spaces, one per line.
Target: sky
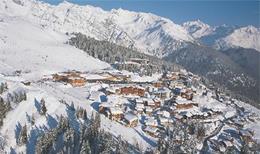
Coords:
pixel 239 13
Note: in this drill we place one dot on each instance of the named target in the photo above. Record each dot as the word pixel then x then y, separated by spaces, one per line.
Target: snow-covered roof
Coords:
pixel 164 113
pixel 130 117
pixel 163 90
pixel 151 121
pixel 151 129
pixel 139 100
pixel 116 111
pixel 148 109
pixel 139 106
pixel 150 102
pixel 180 100
pixel 165 120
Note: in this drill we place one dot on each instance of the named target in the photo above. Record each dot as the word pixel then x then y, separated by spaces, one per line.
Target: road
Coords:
pixel 214 133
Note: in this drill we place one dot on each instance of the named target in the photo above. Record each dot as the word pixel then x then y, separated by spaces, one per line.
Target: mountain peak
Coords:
pixel 246 37
pixel 197 28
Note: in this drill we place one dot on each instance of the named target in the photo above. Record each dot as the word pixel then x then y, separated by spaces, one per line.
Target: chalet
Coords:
pixel 124 77
pixel 59 78
pixel 149 102
pixel 116 114
pixel 183 76
pixel 104 109
pixel 131 119
pixel 165 121
pixel 182 103
pixel 152 122
pixel 187 95
pixel 132 90
pixel 177 84
pixel 163 93
pixel 184 106
pixel 139 107
pixel 139 101
pixel 148 110
pixel 157 102
pixel 72 78
pixel 151 89
pixel 109 91
pixel 140 61
pixel 164 113
pixel 174 76
pixel 77 81
pixel 157 84
pixel 152 131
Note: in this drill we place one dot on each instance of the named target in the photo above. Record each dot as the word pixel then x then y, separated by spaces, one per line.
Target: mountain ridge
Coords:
pixel 147 32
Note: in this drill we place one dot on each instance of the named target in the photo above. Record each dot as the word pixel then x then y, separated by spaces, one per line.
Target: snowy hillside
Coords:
pixel 30 53
pixel 224 37
pixel 144 31
pixel 153 34
pixel 38 50
pixel 55 98
pixel 245 37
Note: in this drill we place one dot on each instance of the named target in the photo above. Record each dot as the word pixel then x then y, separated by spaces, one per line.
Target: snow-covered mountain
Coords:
pixel 146 32
pixel 224 37
pixel 246 37
pixel 198 29
pixel 36 50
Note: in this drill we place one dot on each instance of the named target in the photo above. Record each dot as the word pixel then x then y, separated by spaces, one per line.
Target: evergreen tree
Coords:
pixel 85 148
pixel 32 120
pixel 23 135
pixel 43 107
pixel 1 121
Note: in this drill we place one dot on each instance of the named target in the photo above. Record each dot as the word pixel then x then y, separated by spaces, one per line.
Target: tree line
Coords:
pixel 112 53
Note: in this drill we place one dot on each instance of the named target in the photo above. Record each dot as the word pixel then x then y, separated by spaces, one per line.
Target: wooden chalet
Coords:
pixel 72 78
pixel 116 114
pixel 152 131
pixel 77 82
pixel 157 84
pixel 131 119
pixel 131 90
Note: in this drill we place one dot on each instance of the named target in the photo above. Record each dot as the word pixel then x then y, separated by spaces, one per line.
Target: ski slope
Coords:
pixel 37 51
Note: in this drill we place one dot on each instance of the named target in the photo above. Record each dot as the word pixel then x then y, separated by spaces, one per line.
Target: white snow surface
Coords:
pixel 198 29
pixel 39 51
pixel 146 32
pixel 28 47
pixel 246 37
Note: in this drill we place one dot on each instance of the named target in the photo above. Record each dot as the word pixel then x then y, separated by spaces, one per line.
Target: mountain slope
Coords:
pixel 248 59
pixel 219 68
pixel 198 29
pixel 37 51
pixel 153 34
pixel 218 33
pixel 224 37
pixel 146 32
pixel 246 37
